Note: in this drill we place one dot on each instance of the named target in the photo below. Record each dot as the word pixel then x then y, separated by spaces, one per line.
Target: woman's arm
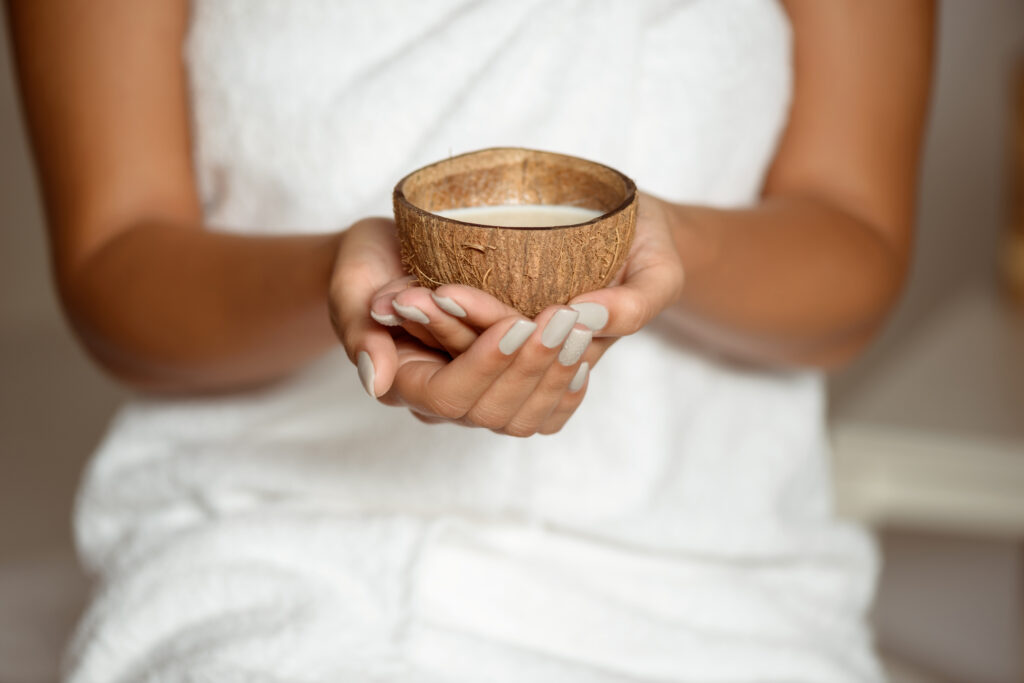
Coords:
pixel 808 275
pixel 160 301
pixel 167 305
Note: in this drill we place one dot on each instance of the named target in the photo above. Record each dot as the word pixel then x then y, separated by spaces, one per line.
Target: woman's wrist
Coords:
pixel 178 308
pixel 698 241
pixel 787 281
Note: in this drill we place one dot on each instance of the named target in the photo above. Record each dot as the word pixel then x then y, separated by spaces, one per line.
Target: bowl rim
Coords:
pixel 398 195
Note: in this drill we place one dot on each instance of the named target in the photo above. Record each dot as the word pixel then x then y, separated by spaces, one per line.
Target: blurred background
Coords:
pixel 928 426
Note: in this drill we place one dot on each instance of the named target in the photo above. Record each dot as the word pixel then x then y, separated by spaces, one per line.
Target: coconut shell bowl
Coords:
pixel 527 268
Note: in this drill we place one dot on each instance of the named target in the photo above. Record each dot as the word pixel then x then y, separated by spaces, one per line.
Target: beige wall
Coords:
pixel 24 289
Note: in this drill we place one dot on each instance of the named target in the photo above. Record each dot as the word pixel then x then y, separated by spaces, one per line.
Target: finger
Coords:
pixel 597 349
pixel 384 312
pixel 367 260
pixel 551 390
pixel 577 388
pixel 651 280
pixel 417 304
pixel 375 359
pixel 381 310
pixel 533 384
pixel 450 389
pixel 571 400
pixel 410 351
pixel 427 419
pixel 624 309
pixel 480 309
pixel 423 334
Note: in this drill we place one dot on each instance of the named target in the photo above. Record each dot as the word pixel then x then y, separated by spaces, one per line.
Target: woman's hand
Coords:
pixel 512 378
pixel 455 319
pixel 518 377
pixel 649 281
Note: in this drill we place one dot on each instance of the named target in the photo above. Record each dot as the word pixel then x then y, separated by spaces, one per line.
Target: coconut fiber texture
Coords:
pixel 527 268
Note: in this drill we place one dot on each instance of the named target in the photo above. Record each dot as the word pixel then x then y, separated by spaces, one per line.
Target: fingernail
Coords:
pixel 448 305
pixel 558 328
pixel 581 376
pixel 516 335
pixel 411 313
pixel 594 316
pixel 575 344
pixel 389 319
pixel 366 372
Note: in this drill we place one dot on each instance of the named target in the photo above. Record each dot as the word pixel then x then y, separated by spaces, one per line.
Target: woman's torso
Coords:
pixel 305 115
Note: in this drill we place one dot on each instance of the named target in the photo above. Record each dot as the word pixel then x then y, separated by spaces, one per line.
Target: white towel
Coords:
pixel 679 527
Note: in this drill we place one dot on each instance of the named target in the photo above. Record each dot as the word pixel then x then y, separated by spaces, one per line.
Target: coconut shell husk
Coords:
pixel 527 268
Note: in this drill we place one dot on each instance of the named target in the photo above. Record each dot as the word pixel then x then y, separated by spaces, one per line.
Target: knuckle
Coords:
pixel 443 407
pixel 530 369
pixel 486 416
pixel 635 312
pixel 520 430
pixel 359 269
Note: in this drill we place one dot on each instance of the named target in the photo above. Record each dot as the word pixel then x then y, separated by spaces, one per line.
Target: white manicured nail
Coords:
pixel 366 372
pixel 389 319
pixel 448 305
pixel 575 344
pixel 594 316
pixel 558 328
pixel 516 335
pixel 581 376
pixel 411 313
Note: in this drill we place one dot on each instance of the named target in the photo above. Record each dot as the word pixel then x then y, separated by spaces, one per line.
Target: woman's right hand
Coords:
pixel 517 376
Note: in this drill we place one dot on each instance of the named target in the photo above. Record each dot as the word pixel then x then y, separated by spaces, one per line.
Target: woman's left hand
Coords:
pixel 453 316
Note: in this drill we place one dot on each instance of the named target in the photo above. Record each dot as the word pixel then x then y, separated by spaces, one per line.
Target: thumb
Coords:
pixel 651 280
pixel 624 309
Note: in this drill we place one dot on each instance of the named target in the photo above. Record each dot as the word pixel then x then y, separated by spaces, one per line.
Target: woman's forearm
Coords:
pixel 791 281
pixel 807 276
pixel 162 303
pixel 174 308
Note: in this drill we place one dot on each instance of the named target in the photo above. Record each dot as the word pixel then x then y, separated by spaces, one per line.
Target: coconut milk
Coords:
pixel 523 215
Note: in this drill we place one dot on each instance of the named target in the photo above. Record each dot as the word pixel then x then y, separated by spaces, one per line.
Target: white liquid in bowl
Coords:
pixel 522 215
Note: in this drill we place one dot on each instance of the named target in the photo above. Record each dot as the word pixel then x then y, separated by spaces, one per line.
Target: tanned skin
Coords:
pixel 803 278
